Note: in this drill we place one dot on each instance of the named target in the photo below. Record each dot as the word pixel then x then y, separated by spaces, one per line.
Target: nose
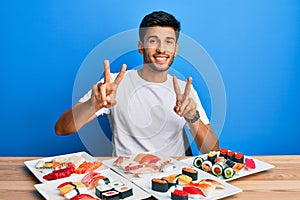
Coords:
pixel 160 48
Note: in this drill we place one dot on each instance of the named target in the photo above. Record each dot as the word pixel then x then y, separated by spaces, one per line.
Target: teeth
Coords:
pixel 161 58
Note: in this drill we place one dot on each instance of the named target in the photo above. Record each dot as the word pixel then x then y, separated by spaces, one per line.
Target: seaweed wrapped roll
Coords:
pixel 198 162
pixel 212 155
pixel 228 172
pixel 217 170
pixel 190 172
pixel 179 195
pixel 159 185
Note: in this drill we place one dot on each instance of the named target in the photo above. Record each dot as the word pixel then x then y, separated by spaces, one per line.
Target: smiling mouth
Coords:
pixel 161 58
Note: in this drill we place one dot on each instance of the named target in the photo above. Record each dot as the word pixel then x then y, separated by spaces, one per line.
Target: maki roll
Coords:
pixel 159 185
pixel 206 166
pixel 212 155
pixel 223 152
pixel 190 172
pixel 198 162
pixel 230 155
pixel 100 189
pixel 228 173
pixel 230 163
pixel 111 195
pixel 217 170
pixel 124 191
pixel 239 158
pixel 179 195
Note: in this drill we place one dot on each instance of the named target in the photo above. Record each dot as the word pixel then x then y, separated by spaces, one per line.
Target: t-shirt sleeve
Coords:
pixel 200 108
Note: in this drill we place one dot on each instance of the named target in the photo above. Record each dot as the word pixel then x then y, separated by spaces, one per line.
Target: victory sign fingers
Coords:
pixel 185 106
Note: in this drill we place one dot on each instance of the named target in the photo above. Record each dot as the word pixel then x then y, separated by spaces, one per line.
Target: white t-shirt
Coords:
pixel 143 120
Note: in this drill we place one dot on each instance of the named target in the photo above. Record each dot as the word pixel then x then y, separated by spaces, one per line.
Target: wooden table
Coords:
pixel 282 182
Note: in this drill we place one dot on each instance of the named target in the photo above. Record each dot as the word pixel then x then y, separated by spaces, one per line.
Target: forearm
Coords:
pixel 206 140
pixel 74 119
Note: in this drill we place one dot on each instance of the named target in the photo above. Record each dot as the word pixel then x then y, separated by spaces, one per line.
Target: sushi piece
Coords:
pixel 203 186
pixel 230 163
pixel 74 192
pixel 40 165
pixel 100 189
pixel 228 173
pixel 223 152
pixel 159 185
pixel 116 184
pixel 83 196
pixel 211 156
pixel 183 179
pixel 198 162
pixel 250 164
pixel 48 165
pixel 171 179
pixel 239 158
pixel 190 172
pixel 230 155
pixel 206 166
pixel 217 170
pixel 124 191
pixel 220 160
pixel 167 167
pixel 68 186
pixel 238 167
pixel 111 195
pixel 76 160
pixel 194 192
pixel 104 181
pixel 87 179
pixel 59 160
pixel 179 195
pixel 213 182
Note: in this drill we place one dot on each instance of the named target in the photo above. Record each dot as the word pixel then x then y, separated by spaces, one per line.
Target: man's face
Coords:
pixel 159 47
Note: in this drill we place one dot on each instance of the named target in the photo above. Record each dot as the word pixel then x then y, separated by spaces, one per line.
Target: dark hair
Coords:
pixel 159 18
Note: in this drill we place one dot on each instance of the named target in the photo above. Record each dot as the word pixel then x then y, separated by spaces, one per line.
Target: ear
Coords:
pixel 140 47
pixel 176 49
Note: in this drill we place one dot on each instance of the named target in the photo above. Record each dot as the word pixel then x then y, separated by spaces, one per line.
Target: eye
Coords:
pixel 170 42
pixel 152 41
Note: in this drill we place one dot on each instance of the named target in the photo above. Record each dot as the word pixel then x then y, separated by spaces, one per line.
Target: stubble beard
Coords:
pixel 154 66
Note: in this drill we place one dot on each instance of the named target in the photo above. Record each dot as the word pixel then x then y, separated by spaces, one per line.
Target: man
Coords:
pixel 147 108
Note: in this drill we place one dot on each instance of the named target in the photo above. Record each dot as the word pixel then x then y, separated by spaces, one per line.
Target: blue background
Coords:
pixel 254 43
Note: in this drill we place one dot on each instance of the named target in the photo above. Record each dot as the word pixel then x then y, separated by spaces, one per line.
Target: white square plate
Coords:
pixel 49 189
pixel 130 176
pixel 229 190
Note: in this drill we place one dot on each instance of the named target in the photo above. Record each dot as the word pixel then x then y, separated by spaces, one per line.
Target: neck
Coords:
pixel 150 75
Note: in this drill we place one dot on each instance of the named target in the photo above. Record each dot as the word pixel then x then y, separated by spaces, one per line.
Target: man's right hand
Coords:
pixel 104 94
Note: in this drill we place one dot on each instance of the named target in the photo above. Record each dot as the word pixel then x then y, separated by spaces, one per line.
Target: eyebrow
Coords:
pixel 154 36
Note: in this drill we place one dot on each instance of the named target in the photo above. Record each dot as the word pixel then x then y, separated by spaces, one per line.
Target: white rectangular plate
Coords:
pixel 109 164
pixel 39 175
pixel 49 189
pixel 260 166
pixel 229 190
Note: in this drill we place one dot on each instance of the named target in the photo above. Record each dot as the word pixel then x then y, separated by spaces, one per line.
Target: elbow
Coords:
pixel 61 130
